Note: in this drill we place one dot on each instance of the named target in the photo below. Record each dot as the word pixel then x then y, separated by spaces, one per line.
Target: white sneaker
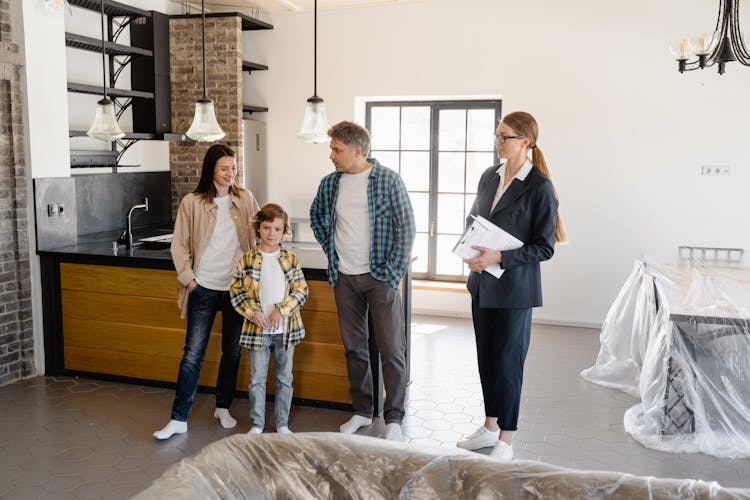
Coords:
pixel 255 430
pixel 172 428
pixel 393 432
pixel 225 419
pixel 502 452
pixel 284 430
pixel 482 438
pixel 354 423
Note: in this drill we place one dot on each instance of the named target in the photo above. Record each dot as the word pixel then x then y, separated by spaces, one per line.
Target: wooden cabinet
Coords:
pixel 124 321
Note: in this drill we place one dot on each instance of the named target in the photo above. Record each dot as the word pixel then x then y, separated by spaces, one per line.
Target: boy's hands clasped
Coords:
pixel 272 322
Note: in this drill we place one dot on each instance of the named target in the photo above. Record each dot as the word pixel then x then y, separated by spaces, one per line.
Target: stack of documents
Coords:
pixel 484 233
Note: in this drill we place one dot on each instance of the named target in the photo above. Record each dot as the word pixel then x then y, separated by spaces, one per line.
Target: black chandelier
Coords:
pixel 724 45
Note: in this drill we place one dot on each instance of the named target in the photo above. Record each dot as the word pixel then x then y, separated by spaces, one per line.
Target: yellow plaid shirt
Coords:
pixel 245 294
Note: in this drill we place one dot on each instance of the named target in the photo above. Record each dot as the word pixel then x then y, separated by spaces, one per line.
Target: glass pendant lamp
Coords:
pixel 315 124
pixel 204 128
pixel 105 126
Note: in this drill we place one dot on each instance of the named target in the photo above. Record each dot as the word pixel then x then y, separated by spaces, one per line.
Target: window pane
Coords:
pixel 384 127
pixel 415 128
pixel 386 158
pixel 420 252
pixel 452 134
pixel 420 202
pixel 415 170
pixel 479 130
pixel 450 217
pixel 476 164
pixel 451 172
pixel 446 261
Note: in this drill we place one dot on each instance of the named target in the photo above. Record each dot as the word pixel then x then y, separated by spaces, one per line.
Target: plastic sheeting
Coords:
pixel 678 337
pixel 337 466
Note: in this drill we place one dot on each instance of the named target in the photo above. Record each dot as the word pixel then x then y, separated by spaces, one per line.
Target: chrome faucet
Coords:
pixel 127 235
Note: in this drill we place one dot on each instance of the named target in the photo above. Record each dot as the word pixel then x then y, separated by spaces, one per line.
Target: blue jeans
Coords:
pixel 203 304
pixel 282 363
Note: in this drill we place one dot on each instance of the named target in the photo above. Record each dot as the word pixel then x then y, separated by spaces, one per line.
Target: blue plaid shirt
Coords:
pixel 391 223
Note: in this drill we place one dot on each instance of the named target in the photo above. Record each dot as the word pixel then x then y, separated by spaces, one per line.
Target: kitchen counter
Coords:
pixel 98 246
pixel 114 315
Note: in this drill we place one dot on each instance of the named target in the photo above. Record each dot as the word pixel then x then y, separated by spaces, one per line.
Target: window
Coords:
pixel 440 148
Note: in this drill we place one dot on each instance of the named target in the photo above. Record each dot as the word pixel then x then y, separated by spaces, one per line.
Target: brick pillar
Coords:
pixel 16 332
pixel 224 86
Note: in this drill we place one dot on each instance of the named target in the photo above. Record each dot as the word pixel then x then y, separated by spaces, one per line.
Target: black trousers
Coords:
pixel 502 337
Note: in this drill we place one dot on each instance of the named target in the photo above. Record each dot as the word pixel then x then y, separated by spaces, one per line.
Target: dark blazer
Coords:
pixel 528 211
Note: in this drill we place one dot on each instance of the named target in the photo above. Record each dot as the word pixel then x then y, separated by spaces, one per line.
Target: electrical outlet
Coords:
pixel 55 209
pixel 716 170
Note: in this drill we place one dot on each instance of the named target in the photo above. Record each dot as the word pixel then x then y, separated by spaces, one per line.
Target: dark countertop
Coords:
pixel 96 248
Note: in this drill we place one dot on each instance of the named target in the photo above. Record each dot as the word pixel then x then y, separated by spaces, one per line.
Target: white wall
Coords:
pixel 42 39
pixel 624 133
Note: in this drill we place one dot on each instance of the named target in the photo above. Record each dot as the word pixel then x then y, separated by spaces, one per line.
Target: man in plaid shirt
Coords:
pixel 363 218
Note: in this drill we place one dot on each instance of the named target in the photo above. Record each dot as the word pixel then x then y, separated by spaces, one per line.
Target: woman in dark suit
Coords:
pixel 519 197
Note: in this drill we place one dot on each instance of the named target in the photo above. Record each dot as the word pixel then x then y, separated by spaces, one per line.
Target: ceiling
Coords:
pixel 251 7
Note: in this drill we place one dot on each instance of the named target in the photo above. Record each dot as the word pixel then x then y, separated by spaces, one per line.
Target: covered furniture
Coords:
pixel 337 466
pixel 678 337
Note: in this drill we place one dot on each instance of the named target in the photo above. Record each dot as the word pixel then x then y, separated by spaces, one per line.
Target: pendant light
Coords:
pixel 204 128
pixel 315 124
pixel 105 127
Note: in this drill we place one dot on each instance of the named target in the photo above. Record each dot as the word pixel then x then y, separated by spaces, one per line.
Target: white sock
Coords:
pixel 284 430
pixel 354 423
pixel 172 428
pixel 225 418
pixel 393 432
pixel 255 430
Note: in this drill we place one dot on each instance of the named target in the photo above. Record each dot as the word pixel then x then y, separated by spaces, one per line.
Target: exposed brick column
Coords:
pixel 224 86
pixel 16 332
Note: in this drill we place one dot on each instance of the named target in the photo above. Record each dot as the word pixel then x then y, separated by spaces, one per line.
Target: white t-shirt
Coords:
pixel 272 285
pixel 222 251
pixel 351 234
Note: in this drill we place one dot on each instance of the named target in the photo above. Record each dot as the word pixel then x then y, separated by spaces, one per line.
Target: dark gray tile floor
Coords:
pixel 79 438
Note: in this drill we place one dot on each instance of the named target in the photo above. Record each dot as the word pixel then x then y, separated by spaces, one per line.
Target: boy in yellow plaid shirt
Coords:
pixel 268 290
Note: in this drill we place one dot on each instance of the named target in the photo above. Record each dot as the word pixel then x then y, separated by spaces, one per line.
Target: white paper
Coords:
pixel 482 232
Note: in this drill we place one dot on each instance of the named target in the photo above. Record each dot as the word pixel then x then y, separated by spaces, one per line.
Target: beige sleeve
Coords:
pixel 181 248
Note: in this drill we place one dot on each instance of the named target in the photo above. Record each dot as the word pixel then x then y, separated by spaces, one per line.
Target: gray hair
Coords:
pixel 351 134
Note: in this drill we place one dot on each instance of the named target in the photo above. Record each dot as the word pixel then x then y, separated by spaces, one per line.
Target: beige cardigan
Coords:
pixel 194 226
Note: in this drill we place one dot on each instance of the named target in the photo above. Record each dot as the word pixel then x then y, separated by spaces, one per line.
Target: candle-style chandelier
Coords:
pixel 724 45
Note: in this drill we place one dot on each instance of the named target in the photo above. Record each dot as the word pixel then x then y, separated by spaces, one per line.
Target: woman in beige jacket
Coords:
pixel 212 231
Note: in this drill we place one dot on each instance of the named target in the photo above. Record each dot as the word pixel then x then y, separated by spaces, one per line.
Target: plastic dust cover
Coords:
pixel 678 337
pixel 338 466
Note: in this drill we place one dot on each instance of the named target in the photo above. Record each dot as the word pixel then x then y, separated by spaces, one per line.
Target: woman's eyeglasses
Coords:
pixel 502 138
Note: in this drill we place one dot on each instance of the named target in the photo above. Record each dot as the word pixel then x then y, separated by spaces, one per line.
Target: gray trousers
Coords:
pixel 355 295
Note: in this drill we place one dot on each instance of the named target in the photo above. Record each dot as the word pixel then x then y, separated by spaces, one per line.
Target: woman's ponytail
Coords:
pixel 537 159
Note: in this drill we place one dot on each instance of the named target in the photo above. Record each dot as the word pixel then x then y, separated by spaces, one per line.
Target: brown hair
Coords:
pixel 351 134
pixel 269 212
pixel 525 124
pixel 206 187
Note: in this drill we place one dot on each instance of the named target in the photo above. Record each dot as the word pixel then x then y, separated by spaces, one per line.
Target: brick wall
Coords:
pixel 16 333
pixel 224 86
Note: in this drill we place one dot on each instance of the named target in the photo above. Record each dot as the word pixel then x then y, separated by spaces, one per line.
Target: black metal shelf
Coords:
pixel 253 109
pixel 128 135
pixel 95 45
pixel 82 88
pixel 248 23
pixel 92 158
pixel 140 136
pixel 251 66
pixel 111 8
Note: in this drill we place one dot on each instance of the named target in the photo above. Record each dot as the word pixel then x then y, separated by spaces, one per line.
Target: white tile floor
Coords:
pixel 77 438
